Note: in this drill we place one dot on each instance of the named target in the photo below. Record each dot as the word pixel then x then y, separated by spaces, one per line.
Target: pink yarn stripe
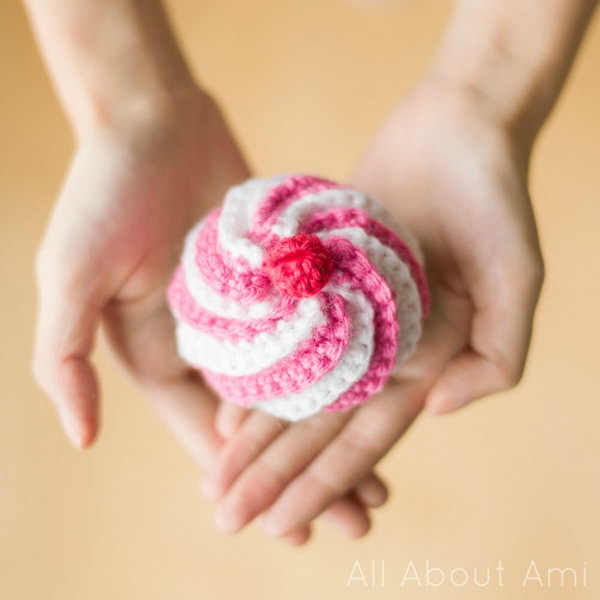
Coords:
pixel 230 277
pixel 312 358
pixel 354 266
pixel 183 304
pixel 279 198
pixel 354 217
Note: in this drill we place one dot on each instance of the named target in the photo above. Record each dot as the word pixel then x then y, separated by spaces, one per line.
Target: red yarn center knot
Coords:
pixel 299 265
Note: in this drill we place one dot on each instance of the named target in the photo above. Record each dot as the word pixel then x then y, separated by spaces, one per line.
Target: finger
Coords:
pixel 349 516
pixel 348 458
pixel 66 325
pixel 505 299
pixel 230 418
pixel 266 477
pixel 298 537
pixel 371 491
pixel 255 434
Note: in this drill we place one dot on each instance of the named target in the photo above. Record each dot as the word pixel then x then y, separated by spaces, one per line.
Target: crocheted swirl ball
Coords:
pixel 297 295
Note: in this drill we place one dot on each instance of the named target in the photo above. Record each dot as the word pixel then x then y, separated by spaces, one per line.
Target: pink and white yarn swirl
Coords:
pixel 297 295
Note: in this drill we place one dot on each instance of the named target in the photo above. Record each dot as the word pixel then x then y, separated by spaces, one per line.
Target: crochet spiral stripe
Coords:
pixel 298 295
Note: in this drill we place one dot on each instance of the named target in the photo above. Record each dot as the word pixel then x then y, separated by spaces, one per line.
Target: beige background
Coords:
pixel 512 479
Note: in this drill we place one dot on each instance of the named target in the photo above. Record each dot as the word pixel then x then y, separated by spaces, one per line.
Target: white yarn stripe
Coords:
pixel 296 213
pixel 245 358
pixel 397 274
pixel 351 367
pixel 241 202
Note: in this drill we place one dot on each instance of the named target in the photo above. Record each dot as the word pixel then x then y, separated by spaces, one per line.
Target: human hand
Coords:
pixel 131 193
pixel 456 177
pixel 111 245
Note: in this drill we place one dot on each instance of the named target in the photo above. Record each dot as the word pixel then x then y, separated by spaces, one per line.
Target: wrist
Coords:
pixel 495 84
pixel 512 58
pixel 137 112
pixel 111 61
pixel 135 108
pixel 463 105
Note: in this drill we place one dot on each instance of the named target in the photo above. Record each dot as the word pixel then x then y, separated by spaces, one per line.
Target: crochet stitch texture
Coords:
pixel 298 295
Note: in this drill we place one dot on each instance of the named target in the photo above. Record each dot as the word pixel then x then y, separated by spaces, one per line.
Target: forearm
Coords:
pixel 513 54
pixel 110 60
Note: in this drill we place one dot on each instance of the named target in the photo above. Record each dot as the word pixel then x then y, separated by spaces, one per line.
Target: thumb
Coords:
pixel 66 325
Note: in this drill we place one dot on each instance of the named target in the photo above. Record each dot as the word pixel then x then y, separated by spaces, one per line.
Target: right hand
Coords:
pixel 131 194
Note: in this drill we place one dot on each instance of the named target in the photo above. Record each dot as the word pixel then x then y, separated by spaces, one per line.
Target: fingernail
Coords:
pixel 227 522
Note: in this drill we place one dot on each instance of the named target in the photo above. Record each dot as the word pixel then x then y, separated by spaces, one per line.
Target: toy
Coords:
pixel 297 295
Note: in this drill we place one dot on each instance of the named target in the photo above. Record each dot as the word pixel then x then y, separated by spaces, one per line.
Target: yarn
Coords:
pixel 299 265
pixel 298 295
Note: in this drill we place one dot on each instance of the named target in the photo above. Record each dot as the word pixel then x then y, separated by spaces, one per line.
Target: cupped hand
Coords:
pixel 131 194
pixel 456 177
